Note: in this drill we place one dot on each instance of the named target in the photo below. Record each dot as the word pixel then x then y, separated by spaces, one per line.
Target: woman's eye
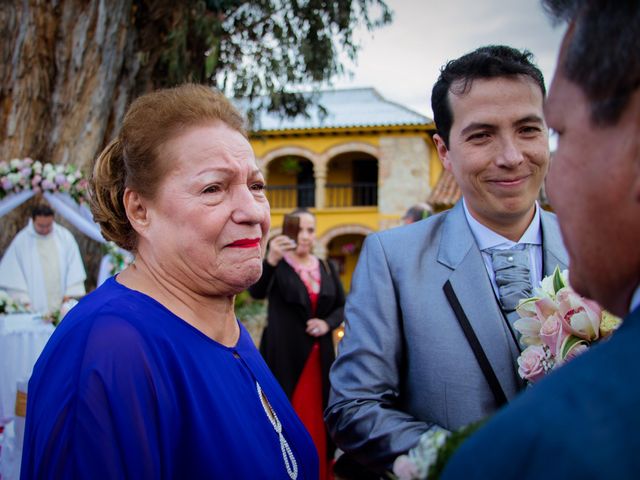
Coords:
pixel 212 189
pixel 258 187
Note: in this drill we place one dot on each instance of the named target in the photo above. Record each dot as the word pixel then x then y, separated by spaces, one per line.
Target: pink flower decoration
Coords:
pixel 545 307
pixel 404 468
pixel 35 181
pixel 577 350
pixel 48 185
pixel 530 363
pixel 552 333
pixel 580 317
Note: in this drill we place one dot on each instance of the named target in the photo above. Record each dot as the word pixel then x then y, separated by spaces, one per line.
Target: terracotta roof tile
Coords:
pixel 446 192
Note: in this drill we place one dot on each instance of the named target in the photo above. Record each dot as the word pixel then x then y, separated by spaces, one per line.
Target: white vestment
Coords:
pixel 30 264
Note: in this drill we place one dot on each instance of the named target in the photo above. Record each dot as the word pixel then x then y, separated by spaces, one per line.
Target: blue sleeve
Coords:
pixel 117 432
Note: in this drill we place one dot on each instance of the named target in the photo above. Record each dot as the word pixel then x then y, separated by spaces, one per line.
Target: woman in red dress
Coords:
pixel 306 302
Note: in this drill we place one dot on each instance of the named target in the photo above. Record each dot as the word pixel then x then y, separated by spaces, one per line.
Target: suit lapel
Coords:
pixel 554 253
pixel 471 285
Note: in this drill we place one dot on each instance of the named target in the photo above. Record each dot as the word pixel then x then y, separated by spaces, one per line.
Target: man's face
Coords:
pixel 594 187
pixel 43 225
pixel 498 150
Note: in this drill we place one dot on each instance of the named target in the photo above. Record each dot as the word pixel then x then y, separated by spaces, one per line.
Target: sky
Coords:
pixel 402 60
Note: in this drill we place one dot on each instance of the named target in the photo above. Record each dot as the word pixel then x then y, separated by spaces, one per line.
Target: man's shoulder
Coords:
pixel 19 240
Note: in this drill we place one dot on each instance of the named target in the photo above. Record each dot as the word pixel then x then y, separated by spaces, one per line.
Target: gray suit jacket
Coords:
pixel 405 364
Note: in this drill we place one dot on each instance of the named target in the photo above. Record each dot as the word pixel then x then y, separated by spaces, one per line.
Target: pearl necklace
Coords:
pixel 287 455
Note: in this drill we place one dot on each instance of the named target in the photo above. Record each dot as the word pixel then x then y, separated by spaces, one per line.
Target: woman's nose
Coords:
pixel 246 207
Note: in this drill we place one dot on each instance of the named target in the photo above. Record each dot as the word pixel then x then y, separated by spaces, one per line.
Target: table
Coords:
pixel 22 339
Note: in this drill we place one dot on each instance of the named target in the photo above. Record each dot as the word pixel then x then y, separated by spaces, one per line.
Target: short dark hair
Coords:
pixel 601 54
pixel 42 211
pixel 486 62
pixel 417 212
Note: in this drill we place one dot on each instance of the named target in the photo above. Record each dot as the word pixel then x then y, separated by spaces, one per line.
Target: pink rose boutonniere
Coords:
pixel 557 325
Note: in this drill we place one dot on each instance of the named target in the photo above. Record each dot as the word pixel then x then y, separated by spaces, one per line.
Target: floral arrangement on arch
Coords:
pixel 118 258
pixel 557 325
pixel 8 304
pixel 28 174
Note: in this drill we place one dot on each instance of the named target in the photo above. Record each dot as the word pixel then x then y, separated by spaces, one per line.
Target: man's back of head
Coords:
pixel 594 182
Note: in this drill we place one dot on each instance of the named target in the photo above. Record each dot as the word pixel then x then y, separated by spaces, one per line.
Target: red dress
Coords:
pixel 307 396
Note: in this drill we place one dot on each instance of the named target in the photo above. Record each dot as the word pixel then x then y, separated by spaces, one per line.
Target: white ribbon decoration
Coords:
pixel 13 200
pixel 78 215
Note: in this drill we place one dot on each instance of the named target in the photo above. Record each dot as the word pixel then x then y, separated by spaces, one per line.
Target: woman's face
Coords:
pixel 307 234
pixel 208 223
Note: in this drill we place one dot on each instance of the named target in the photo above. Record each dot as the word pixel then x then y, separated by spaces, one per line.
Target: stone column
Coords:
pixel 320 175
pixel 403 173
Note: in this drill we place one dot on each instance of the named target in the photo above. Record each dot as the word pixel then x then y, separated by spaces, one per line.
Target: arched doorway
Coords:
pixel 344 251
pixel 291 182
pixel 352 180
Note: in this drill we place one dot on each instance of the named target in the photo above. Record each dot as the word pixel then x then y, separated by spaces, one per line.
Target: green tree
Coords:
pixel 69 68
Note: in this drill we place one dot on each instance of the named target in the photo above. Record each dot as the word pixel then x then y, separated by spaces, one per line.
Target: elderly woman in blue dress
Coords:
pixel 151 375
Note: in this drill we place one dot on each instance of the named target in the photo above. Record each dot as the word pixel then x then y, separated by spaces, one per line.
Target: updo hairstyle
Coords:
pixel 134 158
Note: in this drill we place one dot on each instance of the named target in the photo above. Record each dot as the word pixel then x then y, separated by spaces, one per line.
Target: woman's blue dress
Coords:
pixel 126 389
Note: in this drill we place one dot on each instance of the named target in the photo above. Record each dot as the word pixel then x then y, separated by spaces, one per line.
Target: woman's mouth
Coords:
pixel 246 243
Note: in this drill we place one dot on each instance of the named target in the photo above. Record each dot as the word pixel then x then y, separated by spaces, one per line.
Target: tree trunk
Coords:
pixel 69 68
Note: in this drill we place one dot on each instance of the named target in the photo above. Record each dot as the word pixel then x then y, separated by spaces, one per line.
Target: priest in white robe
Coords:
pixel 42 265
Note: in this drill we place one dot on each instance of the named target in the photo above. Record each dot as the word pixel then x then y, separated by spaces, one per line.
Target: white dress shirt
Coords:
pixel 487 239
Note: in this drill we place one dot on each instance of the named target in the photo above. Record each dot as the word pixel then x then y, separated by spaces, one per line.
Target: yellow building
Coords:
pixel 358 164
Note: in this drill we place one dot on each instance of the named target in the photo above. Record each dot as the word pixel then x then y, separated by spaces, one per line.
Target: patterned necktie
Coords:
pixel 513 278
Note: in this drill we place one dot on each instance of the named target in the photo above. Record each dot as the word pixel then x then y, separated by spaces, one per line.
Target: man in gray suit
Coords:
pixel 428 344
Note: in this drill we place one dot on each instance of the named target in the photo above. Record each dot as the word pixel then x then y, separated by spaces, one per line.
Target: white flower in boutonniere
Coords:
pixel 427 459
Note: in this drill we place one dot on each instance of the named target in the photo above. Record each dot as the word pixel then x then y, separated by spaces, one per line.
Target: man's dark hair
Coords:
pixel 486 62
pixel 41 211
pixel 602 53
pixel 417 212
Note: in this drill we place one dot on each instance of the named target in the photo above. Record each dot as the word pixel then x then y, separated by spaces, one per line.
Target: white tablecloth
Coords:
pixel 22 338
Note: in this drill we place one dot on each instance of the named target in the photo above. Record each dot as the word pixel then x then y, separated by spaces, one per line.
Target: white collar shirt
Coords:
pixel 486 239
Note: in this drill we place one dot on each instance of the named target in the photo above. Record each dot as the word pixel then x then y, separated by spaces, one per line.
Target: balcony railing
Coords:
pixel 351 194
pixel 336 195
pixel 291 196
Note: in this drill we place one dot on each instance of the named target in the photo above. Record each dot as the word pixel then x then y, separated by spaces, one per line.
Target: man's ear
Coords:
pixel 443 151
pixel 135 207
